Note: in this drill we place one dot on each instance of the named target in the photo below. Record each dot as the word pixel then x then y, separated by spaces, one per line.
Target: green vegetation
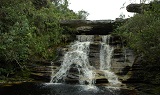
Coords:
pixel 142 34
pixel 29 31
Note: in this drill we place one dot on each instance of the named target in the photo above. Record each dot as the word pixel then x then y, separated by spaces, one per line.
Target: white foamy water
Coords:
pixel 106 53
pixel 78 55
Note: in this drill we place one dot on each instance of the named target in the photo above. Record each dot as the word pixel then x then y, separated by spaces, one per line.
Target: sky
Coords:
pixel 102 9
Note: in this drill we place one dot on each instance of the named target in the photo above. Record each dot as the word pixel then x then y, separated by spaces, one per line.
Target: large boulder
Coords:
pixel 137 8
pixel 140 8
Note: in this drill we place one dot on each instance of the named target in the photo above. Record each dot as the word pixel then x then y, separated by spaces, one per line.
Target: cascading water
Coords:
pixel 105 60
pixel 78 56
pixel 105 53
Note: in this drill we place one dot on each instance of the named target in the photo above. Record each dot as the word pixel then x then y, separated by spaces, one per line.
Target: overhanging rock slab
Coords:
pixel 92 27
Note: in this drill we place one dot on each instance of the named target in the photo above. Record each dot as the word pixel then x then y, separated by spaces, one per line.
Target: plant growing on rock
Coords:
pixel 141 32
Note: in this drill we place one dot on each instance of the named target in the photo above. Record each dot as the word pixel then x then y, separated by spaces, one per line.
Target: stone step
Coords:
pixel 121 60
pixel 118 55
pixel 121 55
pixel 42 71
pixel 41 76
pixel 116 44
pixel 42 66
pixel 117 50
pixel 37 66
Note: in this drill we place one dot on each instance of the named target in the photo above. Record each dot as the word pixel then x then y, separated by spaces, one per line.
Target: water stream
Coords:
pixel 78 56
pixel 106 53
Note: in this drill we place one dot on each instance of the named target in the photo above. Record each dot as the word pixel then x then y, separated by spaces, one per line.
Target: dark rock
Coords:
pixel 57 62
pixel 78 23
pixel 72 81
pixel 119 64
pixel 102 80
pixel 139 8
pixel 118 55
pixel 41 72
pixel 125 70
pixel 94 55
pixel 136 70
pixel 41 77
pixel 95 27
pixel 74 69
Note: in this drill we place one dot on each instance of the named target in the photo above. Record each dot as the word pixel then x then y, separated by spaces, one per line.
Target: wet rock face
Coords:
pixel 121 63
pixel 94 55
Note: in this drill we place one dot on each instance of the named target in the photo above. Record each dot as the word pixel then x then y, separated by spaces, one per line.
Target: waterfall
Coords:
pixel 106 52
pixel 78 56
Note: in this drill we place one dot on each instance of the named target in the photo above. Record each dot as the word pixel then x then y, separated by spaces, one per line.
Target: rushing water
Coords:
pixel 78 56
pixel 106 53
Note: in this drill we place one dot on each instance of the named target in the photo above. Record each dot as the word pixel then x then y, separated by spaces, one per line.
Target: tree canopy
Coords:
pixel 30 30
pixel 142 34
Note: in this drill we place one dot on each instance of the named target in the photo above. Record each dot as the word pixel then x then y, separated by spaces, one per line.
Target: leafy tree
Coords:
pixel 82 14
pixel 30 30
pixel 141 33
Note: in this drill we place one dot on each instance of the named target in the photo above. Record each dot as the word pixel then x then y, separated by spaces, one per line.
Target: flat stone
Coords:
pixel 92 27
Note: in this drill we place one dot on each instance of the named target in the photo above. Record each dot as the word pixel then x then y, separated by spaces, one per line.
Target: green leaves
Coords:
pixel 15 42
pixel 30 30
pixel 82 14
pixel 142 33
